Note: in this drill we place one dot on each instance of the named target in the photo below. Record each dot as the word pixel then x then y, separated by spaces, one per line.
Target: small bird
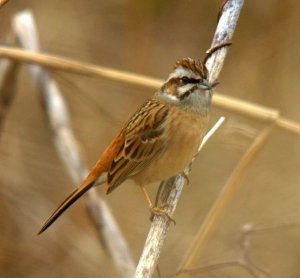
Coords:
pixel 159 140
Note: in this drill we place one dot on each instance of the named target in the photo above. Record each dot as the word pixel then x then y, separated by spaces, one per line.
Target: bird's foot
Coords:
pixel 160 211
pixel 186 177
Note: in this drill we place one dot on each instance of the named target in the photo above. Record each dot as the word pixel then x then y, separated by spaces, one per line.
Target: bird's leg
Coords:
pixel 160 210
pixel 156 210
pixel 146 196
pixel 186 177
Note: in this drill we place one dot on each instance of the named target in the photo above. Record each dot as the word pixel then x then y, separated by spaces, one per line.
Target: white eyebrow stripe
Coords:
pixel 180 72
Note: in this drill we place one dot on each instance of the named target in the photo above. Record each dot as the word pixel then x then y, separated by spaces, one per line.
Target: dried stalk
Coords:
pixel 8 74
pixel 244 260
pixel 224 102
pixel 288 125
pixel 68 148
pixel 221 101
pixel 3 2
pixel 173 187
pixel 68 65
pixel 160 224
pixel 227 21
pixel 224 198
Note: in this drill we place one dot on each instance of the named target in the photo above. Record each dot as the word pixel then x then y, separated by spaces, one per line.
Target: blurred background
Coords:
pixel 147 37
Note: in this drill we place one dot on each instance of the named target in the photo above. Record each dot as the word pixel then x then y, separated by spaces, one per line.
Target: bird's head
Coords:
pixel 187 86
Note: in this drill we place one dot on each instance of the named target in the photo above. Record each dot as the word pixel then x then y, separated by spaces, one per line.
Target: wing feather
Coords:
pixel 144 141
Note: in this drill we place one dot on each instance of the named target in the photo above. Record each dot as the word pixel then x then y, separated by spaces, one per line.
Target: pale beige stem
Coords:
pixel 8 83
pixel 244 260
pixel 224 198
pixel 3 2
pixel 219 100
pixel 69 65
pixel 68 149
pixel 172 191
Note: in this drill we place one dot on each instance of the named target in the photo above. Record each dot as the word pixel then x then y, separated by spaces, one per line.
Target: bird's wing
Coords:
pixel 144 141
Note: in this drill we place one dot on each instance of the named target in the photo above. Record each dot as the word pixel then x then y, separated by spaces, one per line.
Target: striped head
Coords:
pixel 187 86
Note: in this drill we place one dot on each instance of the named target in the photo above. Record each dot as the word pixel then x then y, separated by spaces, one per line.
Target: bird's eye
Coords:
pixel 185 80
pixel 195 81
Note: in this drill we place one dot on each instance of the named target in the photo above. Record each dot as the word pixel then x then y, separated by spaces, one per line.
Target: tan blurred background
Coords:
pixel 147 37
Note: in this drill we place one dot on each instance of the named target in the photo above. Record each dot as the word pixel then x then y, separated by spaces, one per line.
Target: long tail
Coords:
pixel 73 197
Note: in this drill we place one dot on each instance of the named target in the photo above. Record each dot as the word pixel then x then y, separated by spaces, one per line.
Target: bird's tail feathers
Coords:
pixel 73 197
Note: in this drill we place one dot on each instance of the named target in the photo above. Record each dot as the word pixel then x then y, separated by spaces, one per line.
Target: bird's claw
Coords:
pixel 160 211
pixel 185 176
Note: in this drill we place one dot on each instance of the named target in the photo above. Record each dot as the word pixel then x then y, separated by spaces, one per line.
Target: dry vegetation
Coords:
pixel 256 160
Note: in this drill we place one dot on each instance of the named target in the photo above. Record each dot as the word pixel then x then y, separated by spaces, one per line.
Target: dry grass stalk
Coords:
pixel 68 65
pixel 8 75
pixel 3 2
pixel 228 103
pixel 160 225
pixel 173 187
pixel 68 149
pixel 288 125
pixel 224 198
pixel 221 101
pixel 243 261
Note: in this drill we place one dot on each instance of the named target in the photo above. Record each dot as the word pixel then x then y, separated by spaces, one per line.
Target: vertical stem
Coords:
pixel 160 225
pixel 68 149
pixel 224 199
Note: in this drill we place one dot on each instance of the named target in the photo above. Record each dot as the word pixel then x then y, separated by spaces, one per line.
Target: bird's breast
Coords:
pixel 184 131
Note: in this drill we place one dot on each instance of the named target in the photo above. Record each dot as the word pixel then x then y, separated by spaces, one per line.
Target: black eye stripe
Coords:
pixel 186 94
pixel 186 80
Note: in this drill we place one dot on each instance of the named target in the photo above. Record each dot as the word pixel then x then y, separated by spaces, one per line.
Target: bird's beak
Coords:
pixel 206 86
